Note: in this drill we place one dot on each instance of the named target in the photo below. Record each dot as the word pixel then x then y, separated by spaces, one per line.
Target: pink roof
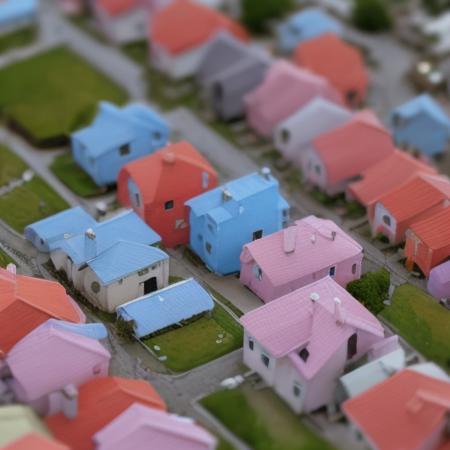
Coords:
pixel 50 357
pixel 293 321
pixel 118 7
pixel 313 248
pixel 139 425
pixel 349 150
pixel 285 89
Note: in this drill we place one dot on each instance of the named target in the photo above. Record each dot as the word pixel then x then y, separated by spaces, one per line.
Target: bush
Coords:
pixel 125 328
pixel 371 290
pixel 371 15
pixel 256 13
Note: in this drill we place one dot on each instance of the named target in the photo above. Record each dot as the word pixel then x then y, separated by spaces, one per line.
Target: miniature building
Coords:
pixel 439 283
pixel 300 343
pixel 180 32
pixel 224 219
pixel 116 137
pixel 229 70
pixel 421 125
pixel 298 255
pixel 157 187
pixel 340 156
pixel 16 14
pixel 340 63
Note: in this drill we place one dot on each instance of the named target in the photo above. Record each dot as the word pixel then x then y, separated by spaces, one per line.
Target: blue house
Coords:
pixel 16 14
pixel 166 307
pixel 116 137
pixel 307 24
pixel 224 219
pixel 421 125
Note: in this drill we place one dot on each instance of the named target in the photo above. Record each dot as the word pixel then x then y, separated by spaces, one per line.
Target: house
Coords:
pixel 121 21
pixel 306 24
pixel 46 234
pixel 114 261
pixel 339 62
pixel 418 199
pixel 152 187
pixel 341 155
pixel 289 259
pixel 94 405
pixel 139 425
pixel 35 441
pixel 428 242
pixel 224 219
pixel 301 343
pixel 296 133
pixel 166 307
pixel 26 303
pixel 439 283
pixel 385 176
pixel 52 356
pixel 416 415
pixel 16 14
pixel 116 137
pixel 180 32
pixel 285 89
pixel 229 70
pixel 421 125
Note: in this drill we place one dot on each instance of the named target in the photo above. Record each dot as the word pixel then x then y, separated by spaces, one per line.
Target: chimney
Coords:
pixel 69 404
pixel 314 297
pixel 265 173
pixel 168 157
pixel 226 195
pixel 333 235
pixel 90 244
pixel 338 312
pixel 289 239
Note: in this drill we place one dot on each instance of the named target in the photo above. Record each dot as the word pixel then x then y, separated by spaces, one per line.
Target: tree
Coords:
pixel 256 13
pixel 371 15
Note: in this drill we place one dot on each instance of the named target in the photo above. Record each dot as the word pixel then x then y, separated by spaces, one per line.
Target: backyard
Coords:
pixel 50 95
pixel 11 166
pixel 262 420
pixel 16 39
pixel 198 342
pixel 420 320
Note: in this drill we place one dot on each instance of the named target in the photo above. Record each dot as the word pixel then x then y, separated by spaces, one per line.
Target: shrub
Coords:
pixel 256 13
pixel 371 290
pixel 125 328
pixel 371 15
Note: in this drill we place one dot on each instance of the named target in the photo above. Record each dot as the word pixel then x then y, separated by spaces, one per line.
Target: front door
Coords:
pixel 150 285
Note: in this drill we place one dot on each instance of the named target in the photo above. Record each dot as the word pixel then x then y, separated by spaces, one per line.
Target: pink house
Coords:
pixel 285 89
pixel 299 255
pixel 301 343
pixel 140 425
pixel 52 356
pixel 340 156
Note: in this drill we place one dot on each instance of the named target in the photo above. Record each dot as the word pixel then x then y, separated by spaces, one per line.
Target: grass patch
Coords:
pixel 48 96
pixel 262 420
pixel 11 166
pixel 18 38
pixel 195 344
pixel 30 202
pixel 5 259
pixel 226 302
pixel 74 177
pixel 138 51
pixel 224 445
pixel 419 319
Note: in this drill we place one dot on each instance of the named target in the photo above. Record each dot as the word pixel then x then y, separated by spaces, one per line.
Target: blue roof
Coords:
pixel 11 10
pixel 124 258
pixel 312 22
pixel 166 307
pixel 91 330
pixel 123 226
pixel 66 223
pixel 423 103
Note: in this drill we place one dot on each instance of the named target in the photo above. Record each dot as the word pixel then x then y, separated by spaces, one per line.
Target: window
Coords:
pixel 387 220
pixel 137 200
pixel 157 135
pixel 397 120
pixel 154 266
pixel 352 97
pixel 251 344
pixel 258 234
pixel 354 269
pixel 304 354
pixel 257 272
pixel 168 205
pixel 95 287
pixel 205 180
pixel 97 369
pixel 332 271
pixel 285 136
pixel 42 241
pixel 120 281
pixel 317 169
pixel 352 345
pixel 296 389
pixel 124 149
pixel 211 227
pixel 265 359
pixel 208 247
pixel 200 237
pixel 143 272
pixel 217 92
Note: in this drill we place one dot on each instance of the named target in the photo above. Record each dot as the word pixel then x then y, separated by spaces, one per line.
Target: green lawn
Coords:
pixel 138 51
pixel 11 166
pixel 5 259
pixel 51 94
pixel 74 177
pixel 420 320
pixel 18 38
pixel 195 344
pixel 30 202
pixel 262 420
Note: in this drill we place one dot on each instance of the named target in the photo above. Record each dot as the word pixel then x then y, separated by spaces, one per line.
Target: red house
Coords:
pixel 157 187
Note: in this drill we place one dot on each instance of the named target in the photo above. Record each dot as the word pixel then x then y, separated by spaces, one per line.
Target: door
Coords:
pixel 150 285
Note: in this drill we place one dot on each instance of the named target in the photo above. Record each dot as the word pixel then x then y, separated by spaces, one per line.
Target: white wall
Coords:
pixel 380 211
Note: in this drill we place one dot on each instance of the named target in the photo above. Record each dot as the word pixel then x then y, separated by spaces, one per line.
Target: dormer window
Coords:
pixel 332 271
pixel 387 220
pixel 352 346
pixel 124 149
pixel 304 354
pixel 258 234
pixel 257 272
pixel 168 205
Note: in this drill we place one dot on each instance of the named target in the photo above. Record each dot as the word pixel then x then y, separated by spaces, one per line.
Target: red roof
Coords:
pixel 434 231
pixel 185 24
pixel 390 173
pixel 402 412
pixel 341 63
pixel 35 441
pixel 100 401
pixel 117 7
pixel 349 150
pixel 419 194
pixel 26 302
